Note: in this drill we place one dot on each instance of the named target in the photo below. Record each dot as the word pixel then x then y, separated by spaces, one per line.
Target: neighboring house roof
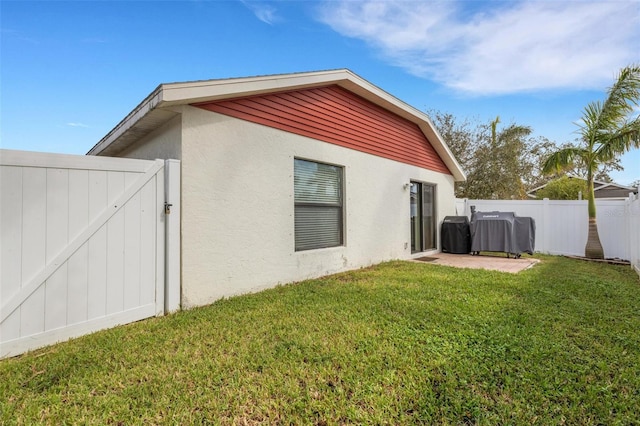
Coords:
pixel 601 189
pixel 156 109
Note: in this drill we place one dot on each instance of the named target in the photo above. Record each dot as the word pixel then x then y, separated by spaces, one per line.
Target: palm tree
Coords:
pixel 497 164
pixel 607 129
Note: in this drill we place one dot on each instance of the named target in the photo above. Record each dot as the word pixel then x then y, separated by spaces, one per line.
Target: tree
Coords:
pixel 497 173
pixel 607 130
pixel 462 138
pixel 580 169
pixel 499 164
pixel 563 188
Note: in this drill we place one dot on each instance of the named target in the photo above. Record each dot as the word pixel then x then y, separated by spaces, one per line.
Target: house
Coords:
pixel 289 177
pixel 602 190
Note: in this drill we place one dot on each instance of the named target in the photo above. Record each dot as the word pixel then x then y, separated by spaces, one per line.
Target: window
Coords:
pixel 318 205
pixel 423 216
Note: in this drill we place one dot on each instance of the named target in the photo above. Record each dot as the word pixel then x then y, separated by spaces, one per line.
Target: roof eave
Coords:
pixel 155 107
pixel 127 124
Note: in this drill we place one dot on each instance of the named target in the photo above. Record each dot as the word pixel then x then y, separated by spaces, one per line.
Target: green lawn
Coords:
pixel 399 343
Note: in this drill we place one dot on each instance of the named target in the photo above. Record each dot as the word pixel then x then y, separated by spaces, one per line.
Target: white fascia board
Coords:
pixel 443 151
pixel 148 104
pixel 213 90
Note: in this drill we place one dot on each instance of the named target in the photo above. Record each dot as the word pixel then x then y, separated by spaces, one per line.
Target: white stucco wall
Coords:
pixel 163 142
pixel 238 208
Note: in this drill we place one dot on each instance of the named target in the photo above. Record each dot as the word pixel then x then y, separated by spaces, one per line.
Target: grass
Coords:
pixel 399 343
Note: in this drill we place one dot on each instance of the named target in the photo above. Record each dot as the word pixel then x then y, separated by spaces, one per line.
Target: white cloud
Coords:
pixel 18 35
pixel 264 11
pixel 77 125
pixel 498 47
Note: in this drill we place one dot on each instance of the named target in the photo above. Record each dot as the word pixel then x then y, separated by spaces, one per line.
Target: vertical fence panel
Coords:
pixel 160 216
pixel 34 231
pixel 567 225
pixel 97 247
pixel 82 246
pixel 57 220
pixel 77 268
pixel 115 243
pixel 34 220
pixel 461 206
pixel 148 241
pixel 132 242
pixel 11 217
pixel 612 229
pixel 634 231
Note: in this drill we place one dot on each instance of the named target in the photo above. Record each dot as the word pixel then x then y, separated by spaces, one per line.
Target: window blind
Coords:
pixel 318 205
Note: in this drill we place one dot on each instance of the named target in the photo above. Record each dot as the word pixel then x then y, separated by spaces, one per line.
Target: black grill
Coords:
pixel 455 235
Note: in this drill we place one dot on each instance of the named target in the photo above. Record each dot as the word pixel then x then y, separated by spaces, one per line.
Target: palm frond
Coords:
pixel 625 138
pixel 563 159
pixel 625 92
pixel 621 98
pixel 494 132
pixel 589 121
pixel 514 132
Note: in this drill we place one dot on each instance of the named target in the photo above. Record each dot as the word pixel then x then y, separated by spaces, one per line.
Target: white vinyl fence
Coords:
pixel 634 231
pixel 82 245
pixel 561 226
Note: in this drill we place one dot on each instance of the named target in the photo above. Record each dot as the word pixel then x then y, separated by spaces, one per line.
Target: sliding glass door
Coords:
pixel 423 216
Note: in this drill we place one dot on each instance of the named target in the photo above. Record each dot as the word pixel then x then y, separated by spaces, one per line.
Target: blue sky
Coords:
pixel 70 71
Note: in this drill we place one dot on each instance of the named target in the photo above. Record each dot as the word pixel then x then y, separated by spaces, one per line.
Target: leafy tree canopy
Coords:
pixel 500 163
pixel 563 188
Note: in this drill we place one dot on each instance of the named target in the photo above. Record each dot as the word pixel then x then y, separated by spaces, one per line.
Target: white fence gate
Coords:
pixel 82 246
pixel 561 226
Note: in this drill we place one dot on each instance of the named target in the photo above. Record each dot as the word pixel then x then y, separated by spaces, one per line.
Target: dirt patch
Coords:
pixel 609 261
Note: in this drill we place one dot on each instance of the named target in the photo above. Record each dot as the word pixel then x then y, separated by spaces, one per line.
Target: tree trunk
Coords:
pixel 593 249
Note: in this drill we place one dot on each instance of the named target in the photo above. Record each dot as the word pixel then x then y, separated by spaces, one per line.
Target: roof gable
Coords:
pixel 335 115
pixel 601 189
pixel 156 109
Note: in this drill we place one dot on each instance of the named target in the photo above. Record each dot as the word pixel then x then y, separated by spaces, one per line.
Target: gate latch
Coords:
pixel 167 208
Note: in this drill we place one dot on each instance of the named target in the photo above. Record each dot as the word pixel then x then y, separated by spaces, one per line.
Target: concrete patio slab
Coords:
pixel 496 263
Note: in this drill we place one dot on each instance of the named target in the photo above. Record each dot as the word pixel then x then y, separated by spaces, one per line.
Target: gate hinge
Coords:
pixel 167 208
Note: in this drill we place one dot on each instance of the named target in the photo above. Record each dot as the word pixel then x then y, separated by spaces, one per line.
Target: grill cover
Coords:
pixel 455 235
pixel 525 229
pixel 502 231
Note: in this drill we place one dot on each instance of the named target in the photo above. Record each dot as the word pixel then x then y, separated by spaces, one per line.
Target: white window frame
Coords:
pixel 318 205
